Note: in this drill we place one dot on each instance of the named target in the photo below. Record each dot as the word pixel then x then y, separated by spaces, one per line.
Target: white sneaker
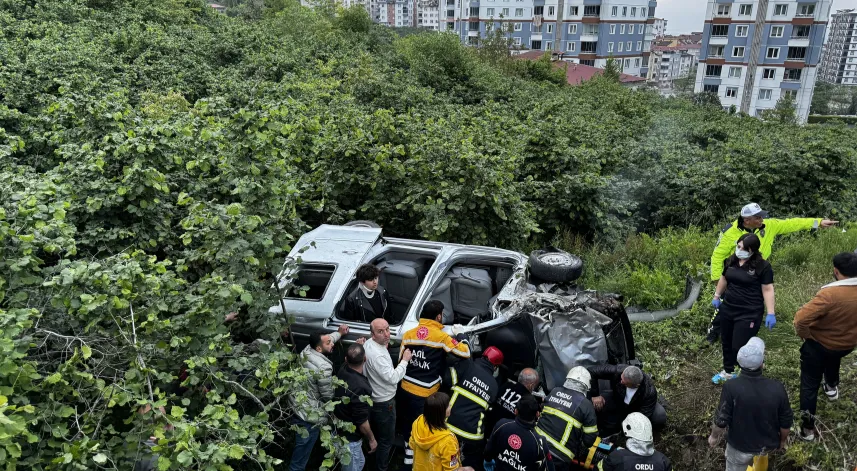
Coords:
pixel 722 377
pixel 806 436
pixel 832 393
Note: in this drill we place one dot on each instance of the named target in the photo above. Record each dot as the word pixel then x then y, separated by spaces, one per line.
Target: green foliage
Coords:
pixel 354 19
pixel 784 112
pixel 833 119
pixel 612 71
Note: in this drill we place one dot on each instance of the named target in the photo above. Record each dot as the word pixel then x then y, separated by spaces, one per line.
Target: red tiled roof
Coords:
pixel 576 74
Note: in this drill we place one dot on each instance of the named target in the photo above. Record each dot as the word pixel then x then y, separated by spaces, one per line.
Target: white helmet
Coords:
pixel 580 374
pixel 638 426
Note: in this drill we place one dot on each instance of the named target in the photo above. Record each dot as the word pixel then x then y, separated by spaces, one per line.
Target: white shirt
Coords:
pixel 379 370
pixel 629 394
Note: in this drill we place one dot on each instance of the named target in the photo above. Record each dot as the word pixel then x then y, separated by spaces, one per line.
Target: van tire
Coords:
pixel 555 266
pixel 362 223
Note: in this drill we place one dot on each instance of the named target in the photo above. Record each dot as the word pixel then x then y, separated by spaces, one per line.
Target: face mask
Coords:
pixel 742 254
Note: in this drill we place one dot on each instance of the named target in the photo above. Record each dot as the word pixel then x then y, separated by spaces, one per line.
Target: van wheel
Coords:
pixel 555 266
pixel 363 223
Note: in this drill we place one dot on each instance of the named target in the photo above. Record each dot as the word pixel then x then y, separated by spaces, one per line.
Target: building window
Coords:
pixel 550 28
pixel 738 51
pixel 741 31
pixel 643 11
pixel 518 27
pixel 790 94
pixel 773 53
pixel 621 29
pixel 745 10
pixel 571 46
pixel 519 12
pixel 548 45
pixel 592 10
pixel 572 11
pixel 517 41
pixel 539 10
pixel 627 64
pixel 621 46
pixel 781 10
pixel 806 9
pixel 731 92
pixel 624 11
pixel 777 31
pixel 489 12
pixel 536 45
pixel 630 46
pixel 734 72
pixel 450 26
pixel 796 53
pixel 551 10
pixel 610 47
pixel 572 28
pixel 792 75
pixel 612 29
pixel 765 94
pixel 633 11
pixel 715 51
pixel 711 88
pixel 720 30
pixel 639 45
pixel 631 29
pixel 769 73
pixel 637 62
pixel 614 11
pixel 801 31
pixel 723 10
pixel 713 70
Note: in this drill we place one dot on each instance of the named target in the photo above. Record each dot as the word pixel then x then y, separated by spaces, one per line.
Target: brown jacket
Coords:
pixel 830 318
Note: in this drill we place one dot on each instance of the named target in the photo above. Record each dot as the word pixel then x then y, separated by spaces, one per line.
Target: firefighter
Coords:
pixel 514 444
pixel 568 422
pixel 429 346
pixel 640 451
pixel 473 389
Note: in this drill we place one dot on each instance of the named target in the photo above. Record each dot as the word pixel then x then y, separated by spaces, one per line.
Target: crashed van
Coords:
pixel 527 306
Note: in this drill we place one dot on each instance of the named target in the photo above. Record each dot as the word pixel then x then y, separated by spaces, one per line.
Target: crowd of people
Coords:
pixel 455 414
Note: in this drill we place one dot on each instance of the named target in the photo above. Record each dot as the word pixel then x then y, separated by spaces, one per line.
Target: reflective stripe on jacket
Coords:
pixel 474 389
pixel 769 230
pixel 429 345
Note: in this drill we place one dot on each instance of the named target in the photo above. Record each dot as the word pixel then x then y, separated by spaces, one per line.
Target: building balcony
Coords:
pixel 589 37
pixel 718 40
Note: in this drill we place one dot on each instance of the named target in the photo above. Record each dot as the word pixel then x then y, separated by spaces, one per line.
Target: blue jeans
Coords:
pixel 357 458
pixel 303 446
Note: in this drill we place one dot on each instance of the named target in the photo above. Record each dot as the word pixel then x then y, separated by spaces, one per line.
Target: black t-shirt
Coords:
pixel 376 303
pixel 743 297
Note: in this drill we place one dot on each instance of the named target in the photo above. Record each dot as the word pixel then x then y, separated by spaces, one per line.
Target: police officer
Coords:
pixel 509 396
pixel 639 452
pixel 474 389
pixel 568 421
pixel 514 444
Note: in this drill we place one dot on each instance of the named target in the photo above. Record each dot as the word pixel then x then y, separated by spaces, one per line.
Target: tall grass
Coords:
pixel 650 271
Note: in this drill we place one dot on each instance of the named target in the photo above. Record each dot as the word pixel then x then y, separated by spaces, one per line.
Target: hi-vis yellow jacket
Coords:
pixel 429 344
pixel 769 230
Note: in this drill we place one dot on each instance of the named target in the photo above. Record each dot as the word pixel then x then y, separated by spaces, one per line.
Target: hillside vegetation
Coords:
pixel 158 159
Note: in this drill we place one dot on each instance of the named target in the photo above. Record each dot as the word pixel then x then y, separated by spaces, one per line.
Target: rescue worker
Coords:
pixel 752 220
pixel 429 346
pixel 435 446
pixel 568 422
pixel 509 396
pixel 369 300
pixel 631 390
pixel 473 389
pixel 639 451
pixel 515 446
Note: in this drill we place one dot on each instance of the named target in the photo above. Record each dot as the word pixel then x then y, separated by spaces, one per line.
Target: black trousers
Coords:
pixel 412 408
pixel 383 421
pixel 816 362
pixel 734 334
pixel 472 453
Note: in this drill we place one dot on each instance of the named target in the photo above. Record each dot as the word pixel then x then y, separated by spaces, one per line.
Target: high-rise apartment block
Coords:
pixel 839 63
pixel 659 28
pixel 579 31
pixel 669 63
pixel 755 52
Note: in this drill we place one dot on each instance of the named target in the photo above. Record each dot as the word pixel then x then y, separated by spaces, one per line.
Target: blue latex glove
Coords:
pixel 716 303
pixel 488 465
pixel 770 321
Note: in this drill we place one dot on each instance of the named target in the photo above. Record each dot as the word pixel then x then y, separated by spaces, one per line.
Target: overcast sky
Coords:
pixel 685 16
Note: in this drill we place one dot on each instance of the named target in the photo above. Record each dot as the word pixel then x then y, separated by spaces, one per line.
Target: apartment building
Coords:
pixel 659 28
pixel 839 61
pixel 668 63
pixel 756 51
pixel 579 31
